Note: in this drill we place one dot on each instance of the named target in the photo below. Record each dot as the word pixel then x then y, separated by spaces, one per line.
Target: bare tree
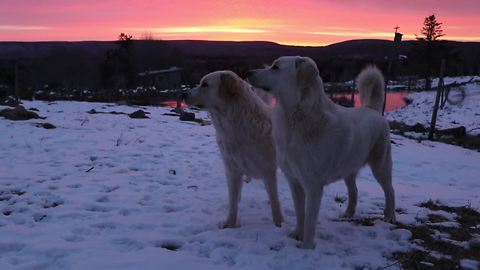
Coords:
pixel 124 37
pixel 147 35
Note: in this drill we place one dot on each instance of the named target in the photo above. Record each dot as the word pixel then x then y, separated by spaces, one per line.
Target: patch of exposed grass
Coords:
pixel 365 221
pixel 467 141
pixel 419 259
pixel 424 235
pixel 434 218
pixel 466 215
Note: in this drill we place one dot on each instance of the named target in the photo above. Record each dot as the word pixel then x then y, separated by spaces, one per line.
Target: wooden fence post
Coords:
pixel 17 94
pixel 352 98
pixel 437 101
pixel 386 84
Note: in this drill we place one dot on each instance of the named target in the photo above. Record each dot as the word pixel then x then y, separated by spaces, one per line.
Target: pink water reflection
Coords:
pixel 395 100
pixel 173 104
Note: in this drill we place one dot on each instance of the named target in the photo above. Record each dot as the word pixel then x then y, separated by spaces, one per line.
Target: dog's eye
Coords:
pixel 204 84
pixel 275 67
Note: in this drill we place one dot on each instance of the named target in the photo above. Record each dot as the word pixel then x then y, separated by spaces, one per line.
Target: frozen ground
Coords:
pixel 465 113
pixel 453 80
pixel 105 191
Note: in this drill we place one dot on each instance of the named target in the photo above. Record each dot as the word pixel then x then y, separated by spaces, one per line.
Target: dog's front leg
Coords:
pixel 352 195
pixel 270 182
pixel 313 199
pixel 298 196
pixel 234 181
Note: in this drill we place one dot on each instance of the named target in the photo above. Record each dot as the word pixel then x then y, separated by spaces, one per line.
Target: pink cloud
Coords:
pixel 292 22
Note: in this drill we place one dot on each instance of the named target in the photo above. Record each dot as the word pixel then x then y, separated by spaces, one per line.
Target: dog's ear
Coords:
pixel 229 86
pixel 307 72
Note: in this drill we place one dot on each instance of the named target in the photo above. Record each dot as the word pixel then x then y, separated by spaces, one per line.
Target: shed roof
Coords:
pixel 160 71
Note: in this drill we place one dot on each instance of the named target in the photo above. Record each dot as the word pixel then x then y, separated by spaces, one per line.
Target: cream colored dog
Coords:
pixel 243 128
pixel 319 142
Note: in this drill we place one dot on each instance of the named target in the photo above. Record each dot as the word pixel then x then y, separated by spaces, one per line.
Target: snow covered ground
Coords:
pixel 104 191
pixel 465 113
pixel 453 80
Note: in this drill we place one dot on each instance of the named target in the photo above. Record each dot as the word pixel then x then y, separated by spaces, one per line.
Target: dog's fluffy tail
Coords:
pixel 371 85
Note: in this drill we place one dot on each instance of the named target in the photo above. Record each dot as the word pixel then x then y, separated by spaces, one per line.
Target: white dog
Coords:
pixel 243 128
pixel 319 142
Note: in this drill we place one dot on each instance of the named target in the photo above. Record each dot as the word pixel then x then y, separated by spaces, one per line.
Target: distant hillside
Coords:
pixel 103 64
pixel 353 48
pixel 373 48
pixel 369 48
pixel 198 48
pixel 29 50
pixel 240 49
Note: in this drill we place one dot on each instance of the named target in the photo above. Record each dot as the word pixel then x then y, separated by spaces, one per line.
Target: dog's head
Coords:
pixel 216 90
pixel 289 78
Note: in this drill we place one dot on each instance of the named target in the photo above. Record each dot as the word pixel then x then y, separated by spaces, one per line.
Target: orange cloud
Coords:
pixel 9 27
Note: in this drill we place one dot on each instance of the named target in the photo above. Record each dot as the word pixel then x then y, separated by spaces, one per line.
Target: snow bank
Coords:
pixel 466 113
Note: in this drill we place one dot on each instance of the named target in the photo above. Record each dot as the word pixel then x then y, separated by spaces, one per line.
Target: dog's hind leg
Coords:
pixel 382 170
pixel 270 182
pixel 313 199
pixel 298 196
pixel 350 181
pixel 234 181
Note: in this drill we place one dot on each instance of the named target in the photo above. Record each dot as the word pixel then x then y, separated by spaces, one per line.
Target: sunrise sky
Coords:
pixel 300 22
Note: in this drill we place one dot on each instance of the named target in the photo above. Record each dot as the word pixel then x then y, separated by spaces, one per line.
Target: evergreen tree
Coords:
pixel 431 31
pixel 118 70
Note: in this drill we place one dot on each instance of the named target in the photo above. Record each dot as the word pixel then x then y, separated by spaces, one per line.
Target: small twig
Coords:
pixel 140 139
pixel 84 121
pixel 389 265
pixel 28 145
pixel 90 169
pixel 119 140
pixel 472 129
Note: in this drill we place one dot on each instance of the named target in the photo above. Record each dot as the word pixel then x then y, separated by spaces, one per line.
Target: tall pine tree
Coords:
pixel 431 31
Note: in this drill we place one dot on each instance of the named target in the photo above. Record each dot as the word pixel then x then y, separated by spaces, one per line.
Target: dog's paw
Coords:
pixel 295 234
pixel 347 214
pixel 278 221
pixel 227 224
pixel 306 246
pixel 390 219
pixel 389 216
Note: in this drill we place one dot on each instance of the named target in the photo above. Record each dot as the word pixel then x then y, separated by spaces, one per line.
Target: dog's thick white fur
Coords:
pixel 243 126
pixel 319 142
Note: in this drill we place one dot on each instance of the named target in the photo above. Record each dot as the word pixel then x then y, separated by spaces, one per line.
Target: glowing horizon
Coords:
pixel 304 22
